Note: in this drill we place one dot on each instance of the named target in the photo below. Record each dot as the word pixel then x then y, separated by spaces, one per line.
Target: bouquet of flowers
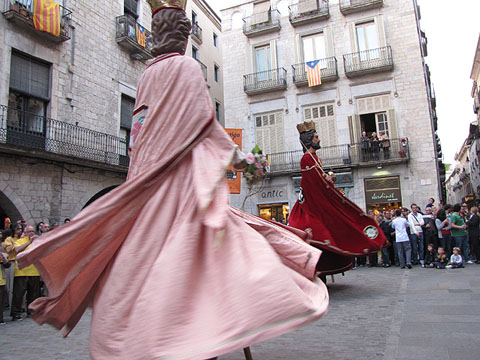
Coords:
pixel 256 164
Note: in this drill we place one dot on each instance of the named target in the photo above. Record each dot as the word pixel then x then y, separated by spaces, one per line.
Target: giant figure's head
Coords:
pixel 170 26
pixel 308 136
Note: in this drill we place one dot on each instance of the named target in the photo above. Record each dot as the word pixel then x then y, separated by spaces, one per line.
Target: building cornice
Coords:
pixel 476 63
pixel 211 14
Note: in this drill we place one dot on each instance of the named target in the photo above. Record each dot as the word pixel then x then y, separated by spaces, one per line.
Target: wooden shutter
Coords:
pixel 329 45
pixel 273 54
pixel 353 37
pixel 382 41
pixel 298 49
pixel 126 112
pixel 278 134
pixel 392 124
pixel 325 122
pixel 354 129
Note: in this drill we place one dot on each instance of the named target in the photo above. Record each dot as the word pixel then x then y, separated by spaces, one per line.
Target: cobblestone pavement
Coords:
pixel 374 314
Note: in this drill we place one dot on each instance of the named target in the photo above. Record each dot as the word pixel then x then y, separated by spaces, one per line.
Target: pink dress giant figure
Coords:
pixel 171 270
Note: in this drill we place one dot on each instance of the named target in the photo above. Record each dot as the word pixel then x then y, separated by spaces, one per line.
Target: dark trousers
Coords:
pixel 22 285
pixel 3 293
pixel 476 246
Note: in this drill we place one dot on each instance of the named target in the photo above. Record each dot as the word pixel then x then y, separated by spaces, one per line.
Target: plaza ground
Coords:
pixel 374 313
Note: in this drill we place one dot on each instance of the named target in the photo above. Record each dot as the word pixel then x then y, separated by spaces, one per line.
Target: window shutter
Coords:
pixel 279 133
pixel 382 41
pixel 130 6
pixel 357 128
pixel 126 112
pixel 273 54
pixel 251 62
pixel 329 45
pixel 298 49
pixel 353 37
pixel 30 77
pixel 392 124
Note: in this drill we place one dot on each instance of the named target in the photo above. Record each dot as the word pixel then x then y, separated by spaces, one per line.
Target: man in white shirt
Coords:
pixel 415 220
pixel 400 225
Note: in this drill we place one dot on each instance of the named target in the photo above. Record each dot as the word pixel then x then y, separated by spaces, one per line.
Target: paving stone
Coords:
pixel 373 315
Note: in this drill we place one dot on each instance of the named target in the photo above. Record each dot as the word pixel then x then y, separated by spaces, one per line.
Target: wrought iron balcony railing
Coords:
pixel 261 23
pixel 31 131
pixel 306 11
pixel 134 38
pixel 351 6
pixel 265 81
pixel 21 12
pixel 204 69
pixel 329 71
pixel 368 61
pixel 344 155
pixel 197 33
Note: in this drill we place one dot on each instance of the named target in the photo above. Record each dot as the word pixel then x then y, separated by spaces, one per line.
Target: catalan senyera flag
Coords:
pixel 46 16
pixel 141 35
pixel 314 74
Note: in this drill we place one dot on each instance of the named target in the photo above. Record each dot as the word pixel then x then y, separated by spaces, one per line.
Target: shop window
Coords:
pixel 277 212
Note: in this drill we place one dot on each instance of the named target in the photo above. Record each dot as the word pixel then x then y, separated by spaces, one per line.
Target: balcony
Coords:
pixel 134 38
pixel 20 12
pixel 351 6
pixel 265 81
pixel 197 33
pixel 204 69
pixel 368 61
pixel 329 72
pixel 29 131
pixel 308 11
pixel 343 156
pixel 261 23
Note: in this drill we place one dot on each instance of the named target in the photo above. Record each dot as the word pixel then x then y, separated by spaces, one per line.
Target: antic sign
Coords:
pixel 270 194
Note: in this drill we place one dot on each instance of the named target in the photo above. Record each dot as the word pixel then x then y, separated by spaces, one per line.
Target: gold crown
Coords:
pixel 157 5
pixel 306 126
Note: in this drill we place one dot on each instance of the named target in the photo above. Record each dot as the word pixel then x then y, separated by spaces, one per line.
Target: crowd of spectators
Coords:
pixel 19 287
pixel 443 237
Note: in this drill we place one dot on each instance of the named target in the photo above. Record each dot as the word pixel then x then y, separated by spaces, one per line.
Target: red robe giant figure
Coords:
pixel 338 226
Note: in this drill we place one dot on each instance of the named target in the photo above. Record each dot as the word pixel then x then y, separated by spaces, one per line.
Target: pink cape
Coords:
pixel 172 270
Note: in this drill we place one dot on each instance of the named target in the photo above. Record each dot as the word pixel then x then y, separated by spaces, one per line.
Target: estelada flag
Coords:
pixel 46 16
pixel 141 34
pixel 314 74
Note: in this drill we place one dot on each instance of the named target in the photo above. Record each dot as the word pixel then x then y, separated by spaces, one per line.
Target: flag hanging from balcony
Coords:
pixel 314 74
pixel 46 16
pixel 141 35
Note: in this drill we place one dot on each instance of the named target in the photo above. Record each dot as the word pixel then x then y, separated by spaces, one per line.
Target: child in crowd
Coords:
pixel 430 256
pixel 456 260
pixel 441 260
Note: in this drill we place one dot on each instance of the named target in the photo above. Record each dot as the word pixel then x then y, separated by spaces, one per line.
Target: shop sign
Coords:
pixel 383 196
pixel 234 179
pixel 272 194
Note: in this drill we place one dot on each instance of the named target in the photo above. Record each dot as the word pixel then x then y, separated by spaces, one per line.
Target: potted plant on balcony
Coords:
pixel 23 10
pixel 14 6
pixel 403 148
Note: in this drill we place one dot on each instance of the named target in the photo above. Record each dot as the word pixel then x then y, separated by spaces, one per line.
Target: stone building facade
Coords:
pixel 374 78
pixel 66 101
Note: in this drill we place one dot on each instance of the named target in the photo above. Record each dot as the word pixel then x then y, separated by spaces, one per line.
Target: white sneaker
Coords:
pixel 469 262
pixel 449 266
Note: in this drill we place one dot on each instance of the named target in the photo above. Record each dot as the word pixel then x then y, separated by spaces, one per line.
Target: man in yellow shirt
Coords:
pixel 26 280
pixel 9 246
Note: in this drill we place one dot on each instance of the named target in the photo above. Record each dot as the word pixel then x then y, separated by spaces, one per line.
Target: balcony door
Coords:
pixel 367 40
pixel 263 62
pixel 314 49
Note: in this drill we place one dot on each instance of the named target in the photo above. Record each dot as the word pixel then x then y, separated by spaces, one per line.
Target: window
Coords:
pixel 314 47
pixel 217 73
pixel 215 40
pixel 194 18
pixel 367 39
pixel 195 54
pixel 325 122
pixel 29 94
pixel 218 108
pixel 269 131
pixel 130 8
pixel 126 114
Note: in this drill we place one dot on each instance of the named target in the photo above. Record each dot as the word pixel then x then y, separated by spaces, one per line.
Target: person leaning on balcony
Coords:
pixel 365 145
pixel 375 145
pixel 385 144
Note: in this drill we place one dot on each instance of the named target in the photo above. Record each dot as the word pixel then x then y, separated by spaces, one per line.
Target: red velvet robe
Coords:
pixel 339 227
